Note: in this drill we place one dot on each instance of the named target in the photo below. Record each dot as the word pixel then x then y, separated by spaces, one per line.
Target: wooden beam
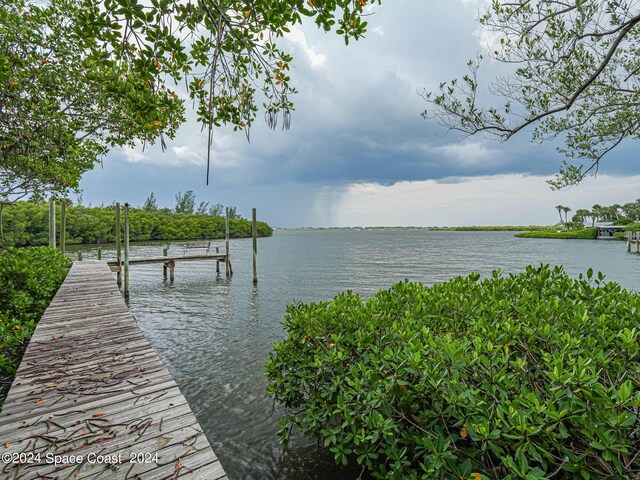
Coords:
pixel 254 234
pixel 52 223
pixel 118 247
pixel 126 250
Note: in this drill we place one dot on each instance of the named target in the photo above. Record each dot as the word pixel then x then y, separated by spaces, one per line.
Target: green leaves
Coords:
pixel 78 77
pixel 573 73
pixel 29 278
pixel 66 98
pixel 516 376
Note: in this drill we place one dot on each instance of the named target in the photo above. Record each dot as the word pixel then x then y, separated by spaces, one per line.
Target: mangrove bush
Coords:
pixel 29 278
pixel 528 376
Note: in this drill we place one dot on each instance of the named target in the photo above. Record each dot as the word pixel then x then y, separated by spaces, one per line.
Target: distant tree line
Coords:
pixel 27 223
pixel 618 214
pixel 186 203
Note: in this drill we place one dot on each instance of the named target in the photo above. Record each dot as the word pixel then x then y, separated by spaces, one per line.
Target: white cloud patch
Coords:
pixel 470 154
pixel 487 200
pixel 134 154
pixel 378 30
pixel 298 38
pixel 188 155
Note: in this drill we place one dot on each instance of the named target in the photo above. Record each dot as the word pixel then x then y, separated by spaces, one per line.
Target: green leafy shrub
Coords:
pixel 584 234
pixel 526 376
pixel 29 278
pixel 620 235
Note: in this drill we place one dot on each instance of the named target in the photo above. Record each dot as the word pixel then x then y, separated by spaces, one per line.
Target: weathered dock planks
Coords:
pixel 91 398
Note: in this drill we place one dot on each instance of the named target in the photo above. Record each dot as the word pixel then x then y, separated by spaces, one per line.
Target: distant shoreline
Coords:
pixel 471 228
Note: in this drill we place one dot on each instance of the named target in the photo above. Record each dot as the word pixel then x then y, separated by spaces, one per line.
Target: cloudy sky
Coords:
pixel 358 153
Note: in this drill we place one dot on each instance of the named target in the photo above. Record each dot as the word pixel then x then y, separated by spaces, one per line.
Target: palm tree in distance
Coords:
pixel 566 210
pixel 560 208
pixel 581 214
pixel 596 213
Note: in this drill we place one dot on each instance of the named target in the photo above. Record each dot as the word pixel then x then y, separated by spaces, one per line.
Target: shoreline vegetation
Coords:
pixel 29 279
pixel 470 228
pixel 583 234
pixel 27 224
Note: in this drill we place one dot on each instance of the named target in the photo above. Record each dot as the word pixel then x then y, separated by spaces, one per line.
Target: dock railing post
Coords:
pixel 254 234
pixel 226 230
pixel 126 250
pixel 52 223
pixel 118 247
pixel 63 226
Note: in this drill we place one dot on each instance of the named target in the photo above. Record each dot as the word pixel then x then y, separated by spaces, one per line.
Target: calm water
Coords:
pixel 215 334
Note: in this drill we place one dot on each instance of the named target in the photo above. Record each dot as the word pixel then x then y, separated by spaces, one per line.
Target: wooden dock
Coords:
pixel 91 398
pixel 218 257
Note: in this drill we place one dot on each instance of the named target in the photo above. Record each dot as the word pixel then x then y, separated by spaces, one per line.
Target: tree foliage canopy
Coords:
pixel 576 76
pixel 65 100
pixel 78 77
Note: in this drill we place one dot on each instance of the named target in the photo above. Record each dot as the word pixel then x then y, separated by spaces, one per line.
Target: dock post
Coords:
pixel 126 250
pixel 118 247
pixel 79 255
pixel 52 223
pixel 217 261
pixel 254 234
pixel 63 226
pixel 172 267
pixel 99 253
pixel 227 261
pixel 637 242
pixel 165 251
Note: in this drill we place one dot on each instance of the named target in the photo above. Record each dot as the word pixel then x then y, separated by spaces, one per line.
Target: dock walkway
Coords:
pixel 92 395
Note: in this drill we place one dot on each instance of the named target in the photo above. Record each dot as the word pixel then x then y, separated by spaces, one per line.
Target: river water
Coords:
pixel 215 333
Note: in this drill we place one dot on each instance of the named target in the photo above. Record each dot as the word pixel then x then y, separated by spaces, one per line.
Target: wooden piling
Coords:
pixel 118 247
pixel 165 251
pixel 172 267
pixel 217 262
pixel 254 234
pixel 79 255
pixel 226 230
pixel 63 226
pixel 637 242
pixel 52 223
pixel 99 253
pixel 126 250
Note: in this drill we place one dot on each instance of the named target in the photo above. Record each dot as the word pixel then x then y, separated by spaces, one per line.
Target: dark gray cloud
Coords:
pixel 357 120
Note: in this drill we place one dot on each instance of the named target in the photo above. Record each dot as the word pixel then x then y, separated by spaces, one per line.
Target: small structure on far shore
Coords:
pixel 607 232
